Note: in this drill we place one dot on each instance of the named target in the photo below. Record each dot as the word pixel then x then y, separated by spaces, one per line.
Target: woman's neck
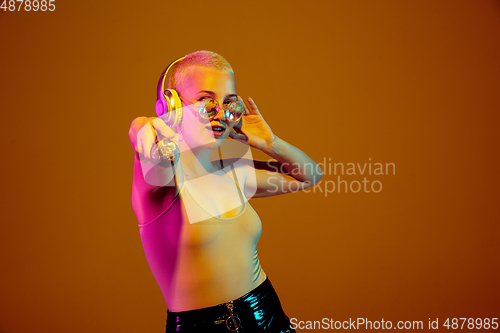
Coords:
pixel 196 162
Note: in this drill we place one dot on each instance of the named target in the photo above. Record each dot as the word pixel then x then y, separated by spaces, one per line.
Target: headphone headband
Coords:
pixel 163 77
pixel 168 104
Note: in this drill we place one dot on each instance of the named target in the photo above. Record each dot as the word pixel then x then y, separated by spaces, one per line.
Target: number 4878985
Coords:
pixel 29 5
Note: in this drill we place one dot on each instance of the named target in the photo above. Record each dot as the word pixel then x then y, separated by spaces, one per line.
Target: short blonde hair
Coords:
pixel 207 59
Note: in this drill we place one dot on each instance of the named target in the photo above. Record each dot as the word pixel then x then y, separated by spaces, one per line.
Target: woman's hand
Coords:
pixel 142 136
pixel 252 128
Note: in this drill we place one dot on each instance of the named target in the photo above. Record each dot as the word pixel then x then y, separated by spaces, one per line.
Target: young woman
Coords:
pixel 197 227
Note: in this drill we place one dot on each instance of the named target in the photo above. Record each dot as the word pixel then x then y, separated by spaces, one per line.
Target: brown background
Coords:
pixel 414 83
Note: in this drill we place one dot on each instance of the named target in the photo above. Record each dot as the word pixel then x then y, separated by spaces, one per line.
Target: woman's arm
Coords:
pixel 143 134
pixel 153 184
pixel 292 170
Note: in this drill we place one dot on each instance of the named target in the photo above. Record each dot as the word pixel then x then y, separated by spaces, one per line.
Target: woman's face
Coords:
pixel 203 83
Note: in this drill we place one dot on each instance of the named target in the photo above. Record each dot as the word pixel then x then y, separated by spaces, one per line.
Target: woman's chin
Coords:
pixel 212 142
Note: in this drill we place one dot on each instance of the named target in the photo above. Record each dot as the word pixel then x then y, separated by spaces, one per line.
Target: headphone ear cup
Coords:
pixel 160 108
pixel 173 108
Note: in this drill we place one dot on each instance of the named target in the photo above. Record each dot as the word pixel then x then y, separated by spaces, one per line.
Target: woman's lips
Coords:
pixel 215 133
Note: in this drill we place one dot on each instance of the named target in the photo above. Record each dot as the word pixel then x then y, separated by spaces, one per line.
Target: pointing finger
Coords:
pixel 163 129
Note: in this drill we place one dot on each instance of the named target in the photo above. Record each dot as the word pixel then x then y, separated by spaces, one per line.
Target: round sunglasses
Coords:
pixel 208 108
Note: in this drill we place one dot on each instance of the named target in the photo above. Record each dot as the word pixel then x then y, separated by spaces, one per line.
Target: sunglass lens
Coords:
pixel 211 107
pixel 237 110
pixel 208 109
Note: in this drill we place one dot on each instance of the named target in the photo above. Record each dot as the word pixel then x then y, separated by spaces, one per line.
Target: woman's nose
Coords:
pixel 221 114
